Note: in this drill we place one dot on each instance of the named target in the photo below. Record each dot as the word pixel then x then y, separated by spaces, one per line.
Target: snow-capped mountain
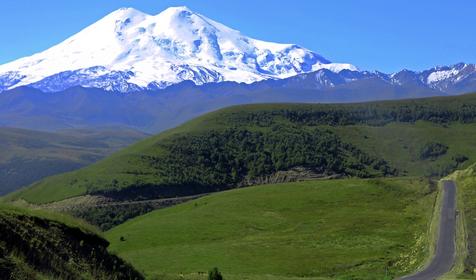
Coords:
pixel 129 50
pixel 454 79
pixel 458 78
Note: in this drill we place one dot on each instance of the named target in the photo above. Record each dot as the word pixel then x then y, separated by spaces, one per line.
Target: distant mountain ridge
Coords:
pixel 155 110
pixel 454 79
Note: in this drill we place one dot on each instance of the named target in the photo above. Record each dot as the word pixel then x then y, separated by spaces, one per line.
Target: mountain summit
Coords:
pixel 129 50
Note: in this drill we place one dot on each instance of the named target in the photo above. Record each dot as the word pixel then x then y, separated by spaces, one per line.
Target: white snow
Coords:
pixel 437 76
pixel 175 45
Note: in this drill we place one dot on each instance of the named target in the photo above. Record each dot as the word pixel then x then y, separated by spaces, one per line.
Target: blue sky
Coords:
pixel 371 34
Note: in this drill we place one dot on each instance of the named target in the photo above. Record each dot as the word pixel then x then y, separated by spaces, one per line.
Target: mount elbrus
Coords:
pixel 129 50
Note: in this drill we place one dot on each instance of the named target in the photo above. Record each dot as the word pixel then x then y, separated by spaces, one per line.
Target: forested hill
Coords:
pixel 438 110
pixel 255 144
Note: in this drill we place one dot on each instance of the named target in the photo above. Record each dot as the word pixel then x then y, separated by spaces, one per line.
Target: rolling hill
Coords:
pixel 28 155
pixel 256 144
pixel 328 229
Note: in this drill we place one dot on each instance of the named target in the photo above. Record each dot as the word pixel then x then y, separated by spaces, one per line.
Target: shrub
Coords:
pixel 433 150
pixel 214 274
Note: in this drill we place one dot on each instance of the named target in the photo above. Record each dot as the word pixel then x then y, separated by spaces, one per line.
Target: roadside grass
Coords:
pixel 465 264
pixel 335 229
pixel 433 228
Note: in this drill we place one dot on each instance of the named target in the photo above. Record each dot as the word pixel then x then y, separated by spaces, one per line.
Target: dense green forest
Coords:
pixel 438 110
pixel 106 217
pixel 222 158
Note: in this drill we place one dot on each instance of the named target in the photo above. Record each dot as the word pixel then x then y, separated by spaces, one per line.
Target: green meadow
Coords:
pixel 329 229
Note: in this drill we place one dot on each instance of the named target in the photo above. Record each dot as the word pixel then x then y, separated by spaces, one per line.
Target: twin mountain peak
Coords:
pixel 128 51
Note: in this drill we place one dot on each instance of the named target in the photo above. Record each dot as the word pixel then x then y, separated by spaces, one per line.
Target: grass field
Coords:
pixel 329 229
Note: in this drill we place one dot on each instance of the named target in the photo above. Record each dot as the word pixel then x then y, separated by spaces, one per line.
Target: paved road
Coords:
pixel 445 248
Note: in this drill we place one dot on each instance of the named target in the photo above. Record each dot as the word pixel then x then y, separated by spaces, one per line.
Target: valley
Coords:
pixel 162 144
pixel 29 155
pixel 330 175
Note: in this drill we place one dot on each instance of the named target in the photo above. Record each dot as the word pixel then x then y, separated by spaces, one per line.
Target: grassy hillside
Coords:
pixel 339 229
pixel 257 144
pixel 36 245
pixel 28 156
pixel 406 146
pixel 466 186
